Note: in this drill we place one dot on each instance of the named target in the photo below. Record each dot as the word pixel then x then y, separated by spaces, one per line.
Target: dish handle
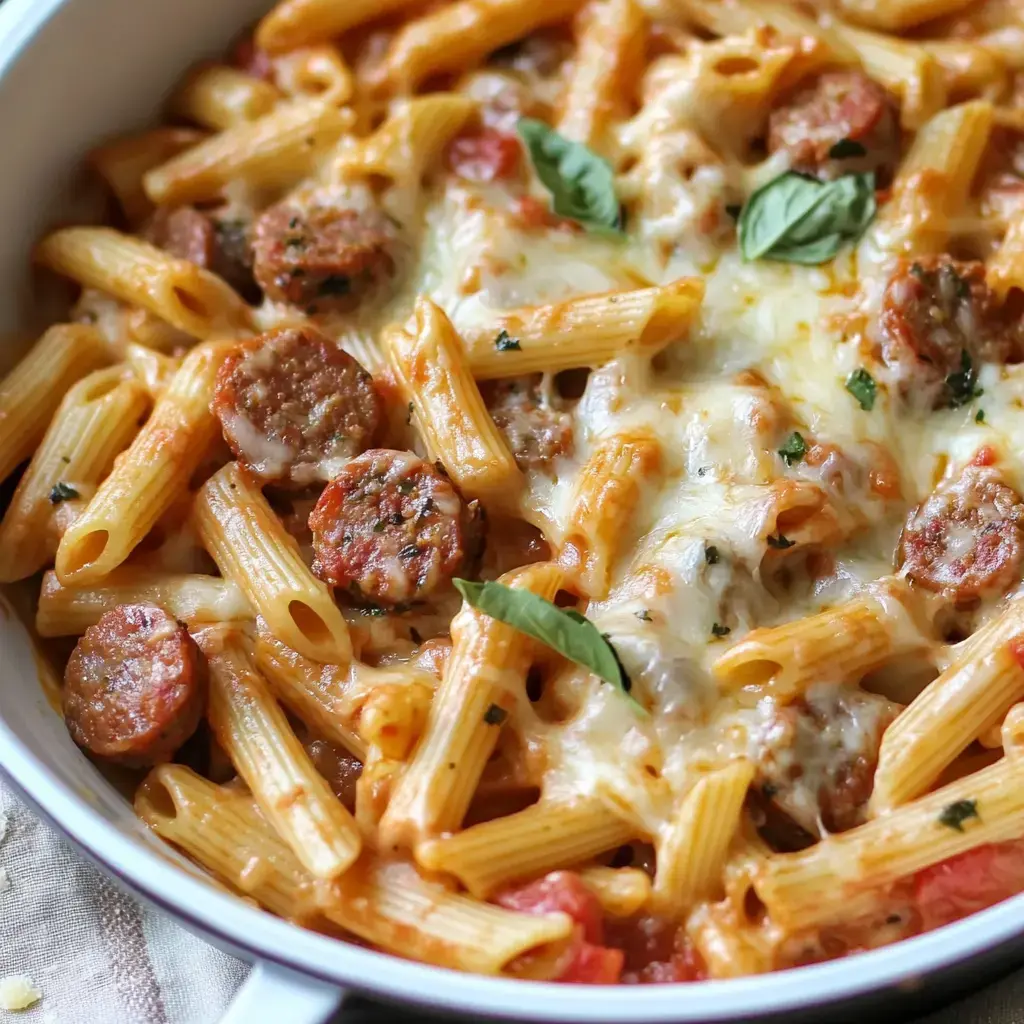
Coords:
pixel 272 994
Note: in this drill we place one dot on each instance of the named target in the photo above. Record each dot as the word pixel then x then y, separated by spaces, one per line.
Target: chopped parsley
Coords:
pixel 862 386
pixel 979 416
pixel 794 449
pixel 495 715
pixel 504 342
pixel 62 492
pixel 955 814
pixel 845 148
pixel 719 630
pixel 779 542
pixel 406 486
pixel 711 555
pixel 380 526
pixel 962 386
pixel 643 615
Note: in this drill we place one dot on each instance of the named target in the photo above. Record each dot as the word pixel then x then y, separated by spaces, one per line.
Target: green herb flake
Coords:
pixel 711 555
pixel 955 814
pixel 562 629
pixel 718 630
pixel 794 449
pixel 62 492
pixel 979 416
pixel 643 615
pixel 796 218
pixel 862 386
pixel 504 342
pixel 582 184
pixel 406 486
pixel 380 526
pixel 408 414
pixel 495 715
pixel 962 386
pixel 779 542
pixel 847 148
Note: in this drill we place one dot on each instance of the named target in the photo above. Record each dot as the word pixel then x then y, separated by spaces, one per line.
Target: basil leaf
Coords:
pixel 581 183
pixel 862 386
pixel 799 219
pixel 963 386
pixel 562 629
pixel 794 449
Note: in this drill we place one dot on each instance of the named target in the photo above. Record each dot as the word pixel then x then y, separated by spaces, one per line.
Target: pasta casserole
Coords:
pixel 534 486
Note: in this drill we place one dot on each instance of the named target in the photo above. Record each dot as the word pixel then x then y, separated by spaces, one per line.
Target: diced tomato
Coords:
pixel 484 155
pixel 590 963
pixel 984 456
pixel 247 57
pixel 969 882
pixel 1016 644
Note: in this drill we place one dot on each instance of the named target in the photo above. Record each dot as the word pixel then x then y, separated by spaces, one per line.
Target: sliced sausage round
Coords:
pixel 294 406
pixel 324 258
pixel 536 433
pixel 842 115
pixel 965 539
pixel 939 321
pixel 391 529
pixel 134 687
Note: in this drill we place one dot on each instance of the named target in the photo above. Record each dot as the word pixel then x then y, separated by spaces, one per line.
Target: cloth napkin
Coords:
pixel 99 957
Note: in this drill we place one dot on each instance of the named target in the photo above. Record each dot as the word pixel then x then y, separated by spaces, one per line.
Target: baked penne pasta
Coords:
pixel 250 546
pixel 295 23
pixel 217 97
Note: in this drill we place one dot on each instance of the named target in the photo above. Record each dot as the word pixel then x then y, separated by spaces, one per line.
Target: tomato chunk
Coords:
pixel 590 963
pixel 484 155
pixel 969 882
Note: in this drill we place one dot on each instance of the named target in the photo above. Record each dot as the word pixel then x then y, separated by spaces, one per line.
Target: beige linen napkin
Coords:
pixel 98 957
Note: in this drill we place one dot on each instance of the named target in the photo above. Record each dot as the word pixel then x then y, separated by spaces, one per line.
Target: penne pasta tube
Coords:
pixel 190 597
pixel 123 162
pixel 972 695
pixel 275 150
pixel 457 36
pixel 812 887
pixel 692 853
pixel 318 72
pixel 178 291
pixel 1004 271
pixel 487 667
pixel 216 96
pixel 96 420
pixel 256 736
pixel 295 23
pixel 388 905
pixel 585 331
pixel 729 948
pixel 358 707
pixel 409 142
pixel 845 642
pixel 622 892
pixel 153 370
pixel 148 477
pixel 32 391
pixel 605 496
pixel 528 844
pixel 430 368
pixel 898 15
pixel 250 546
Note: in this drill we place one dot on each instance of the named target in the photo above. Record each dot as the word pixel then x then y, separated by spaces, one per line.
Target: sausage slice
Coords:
pixel 391 529
pixel 294 406
pixel 536 433
pixel 134 687
pixel 839 109
pixel 965 539
pixel 323 258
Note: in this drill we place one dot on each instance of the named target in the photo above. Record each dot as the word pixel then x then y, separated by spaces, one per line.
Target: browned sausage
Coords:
pixel 840 112
pixel 536 433
pixel 939 320
pixel 324 258
pixel 391 529
pixel 294 406
pixel 817 757
pixel 217 243
pixel 965 540
pixel 134 687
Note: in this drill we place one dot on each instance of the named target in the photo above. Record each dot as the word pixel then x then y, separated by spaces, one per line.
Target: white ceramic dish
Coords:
pixel 73 72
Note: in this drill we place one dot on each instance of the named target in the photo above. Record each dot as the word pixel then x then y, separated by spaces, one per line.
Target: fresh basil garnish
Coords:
pixel 794 449
pixel 862 386
pixel 562 629
pixel 798 219
pixel 581 183
pixel 62 492
pixel 955 814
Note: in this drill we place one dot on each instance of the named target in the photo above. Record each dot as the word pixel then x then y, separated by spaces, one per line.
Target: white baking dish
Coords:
pixel 73 72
